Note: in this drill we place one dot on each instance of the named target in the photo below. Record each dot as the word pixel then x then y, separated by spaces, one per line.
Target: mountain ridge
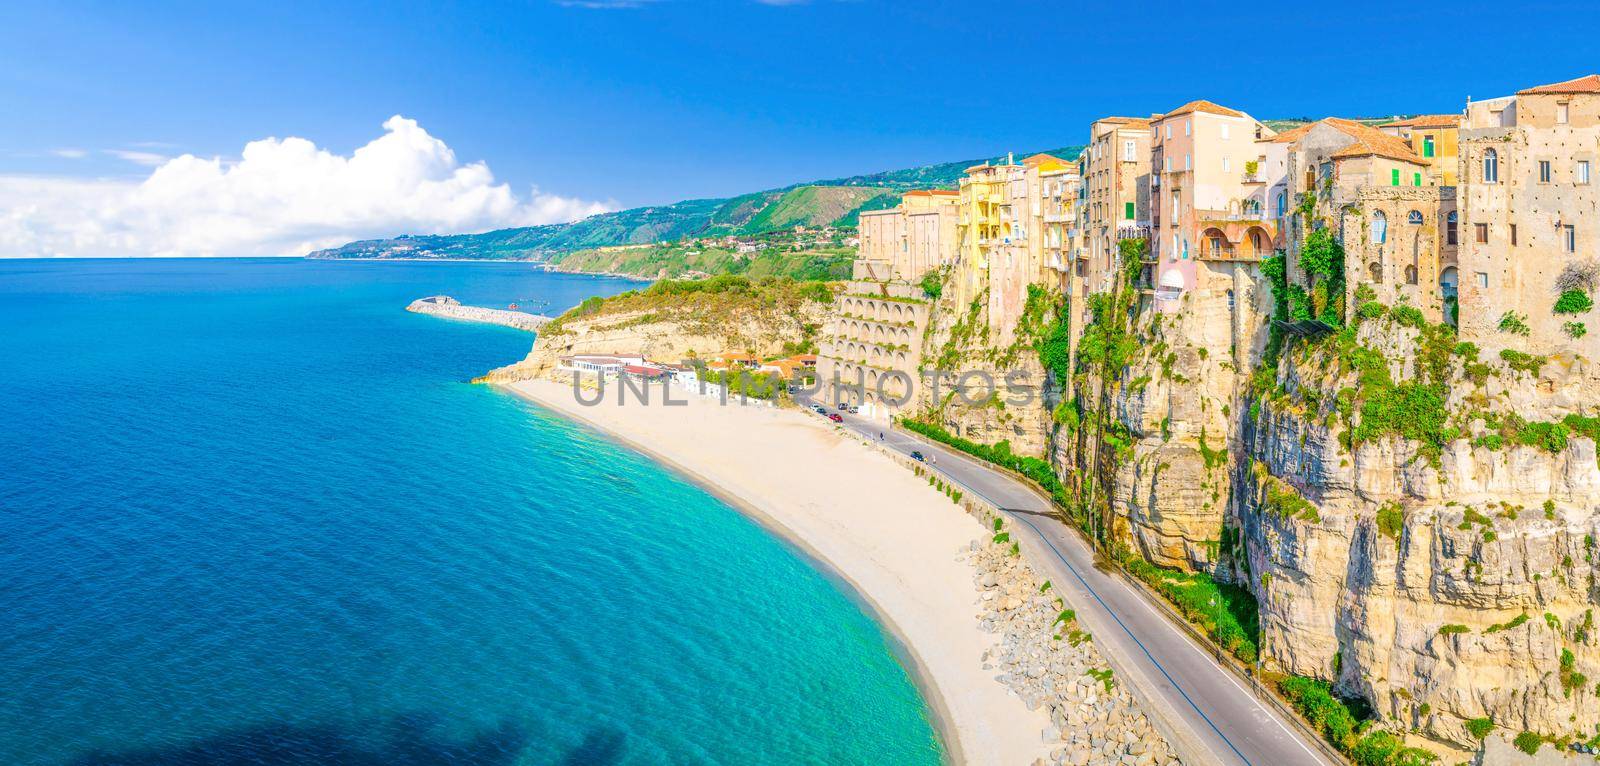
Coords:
pixel 836 202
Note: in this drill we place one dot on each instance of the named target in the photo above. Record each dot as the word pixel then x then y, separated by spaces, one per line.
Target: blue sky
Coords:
pixel 668 99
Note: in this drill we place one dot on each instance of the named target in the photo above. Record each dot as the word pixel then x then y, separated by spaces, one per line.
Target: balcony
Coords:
pixel 1252 178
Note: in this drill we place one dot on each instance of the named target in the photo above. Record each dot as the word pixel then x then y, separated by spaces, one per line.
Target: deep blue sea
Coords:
pixel 252 512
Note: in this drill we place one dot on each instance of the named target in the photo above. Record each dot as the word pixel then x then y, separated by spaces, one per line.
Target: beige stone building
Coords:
pixel 907 241
pixel 1529 214
pixel 1397 239
pixel 1116 200
pixel 1331 161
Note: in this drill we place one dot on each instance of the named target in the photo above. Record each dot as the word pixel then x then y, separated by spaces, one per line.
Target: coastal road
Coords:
pixel 1222 715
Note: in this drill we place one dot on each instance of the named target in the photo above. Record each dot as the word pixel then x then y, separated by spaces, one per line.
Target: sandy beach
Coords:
pixel 876 525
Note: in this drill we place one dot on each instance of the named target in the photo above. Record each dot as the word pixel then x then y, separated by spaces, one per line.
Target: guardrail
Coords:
pixel 1263 694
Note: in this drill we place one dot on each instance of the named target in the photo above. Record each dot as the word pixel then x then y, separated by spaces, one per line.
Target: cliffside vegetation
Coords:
pixel 706 305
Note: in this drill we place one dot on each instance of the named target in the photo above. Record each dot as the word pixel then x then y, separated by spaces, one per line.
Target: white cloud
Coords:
pixel 70 153
pixel 147 159
pixel 281 197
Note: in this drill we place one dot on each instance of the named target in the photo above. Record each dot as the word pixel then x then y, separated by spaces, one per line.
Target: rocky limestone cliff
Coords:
pixel 993 387
pixel 1443 579
pixel 672 321
pixel 1418 525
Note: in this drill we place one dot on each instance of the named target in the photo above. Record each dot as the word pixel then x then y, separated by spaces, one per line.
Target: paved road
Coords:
pixel 1222 715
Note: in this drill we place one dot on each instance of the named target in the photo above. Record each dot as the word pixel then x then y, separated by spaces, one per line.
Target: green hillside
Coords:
pixel 837 201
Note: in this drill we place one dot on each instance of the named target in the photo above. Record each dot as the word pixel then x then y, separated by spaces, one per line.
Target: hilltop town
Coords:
pixel 1330 390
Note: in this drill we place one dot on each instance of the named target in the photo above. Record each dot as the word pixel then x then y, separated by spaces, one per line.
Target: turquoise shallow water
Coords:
pixel 251 513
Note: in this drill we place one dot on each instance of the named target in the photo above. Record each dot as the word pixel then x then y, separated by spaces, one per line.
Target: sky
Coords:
pixel 377 118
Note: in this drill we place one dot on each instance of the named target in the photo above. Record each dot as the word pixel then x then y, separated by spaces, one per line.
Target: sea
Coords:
pixel 254 512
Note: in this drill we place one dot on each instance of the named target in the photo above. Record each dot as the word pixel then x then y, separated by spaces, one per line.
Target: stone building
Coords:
pixel 871 356
pixel 1396 239
pixel 1332 161
pixel 1529 215
pixel 907 241
pixel 1116 195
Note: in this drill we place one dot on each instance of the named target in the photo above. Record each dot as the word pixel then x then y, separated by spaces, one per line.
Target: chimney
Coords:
pixel 1010 160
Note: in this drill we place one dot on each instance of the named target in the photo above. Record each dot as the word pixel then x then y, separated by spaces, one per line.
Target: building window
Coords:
pixel 1416 179
pixel 1544 171
pixel 1427 145
pixel 1127 210
pixel 1394 177
pixel 1561 112
pixel 1481 232
pixel 1411 275
pixel 1571 238
pixel 1187 128
pixel 1375 271
pixel 1483 280
pixel 1224 164
pixel 1380 227
pixel 1188 162
pixel 1128 151
pixel 1283 203
pixel 1582 174
pixel 1168 130
pixel 1450 228
pixel 1513 235
pixel 1414 218
pixel 1491 167
pixel 1174 207
pixel 1166 163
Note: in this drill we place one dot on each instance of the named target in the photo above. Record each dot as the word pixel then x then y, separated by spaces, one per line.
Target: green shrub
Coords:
pixel 1575 330
pixel 1391 520
pixel 1453 629
pixel 1514 323
pixel 1528 742
pixel 1480 727
pixel 1573 302
pixel 1519 361
pixel 1410 316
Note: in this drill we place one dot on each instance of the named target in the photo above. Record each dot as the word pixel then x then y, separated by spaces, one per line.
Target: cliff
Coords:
pixel 671 321
pixel 1416 525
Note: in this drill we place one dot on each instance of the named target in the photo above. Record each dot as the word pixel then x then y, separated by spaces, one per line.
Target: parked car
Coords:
pixel 916 456
pixel 844 407
pixel 855 410
pixel 817 408
pixel 834 416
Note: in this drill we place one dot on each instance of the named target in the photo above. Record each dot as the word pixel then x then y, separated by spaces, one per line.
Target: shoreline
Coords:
pixel 965 736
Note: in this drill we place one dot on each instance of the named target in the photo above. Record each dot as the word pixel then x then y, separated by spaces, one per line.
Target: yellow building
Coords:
pixel 1433 137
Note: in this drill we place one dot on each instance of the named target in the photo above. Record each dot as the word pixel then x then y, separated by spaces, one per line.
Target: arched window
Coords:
pixel 1414 218
pixel 1450 228
pixel 1283 203
pixel 1380 227
pixel 1491 166
pixel 1411 275
pixel 1376 270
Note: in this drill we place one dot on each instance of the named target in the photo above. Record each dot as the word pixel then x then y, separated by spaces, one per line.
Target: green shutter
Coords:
pixel 1127 210
pixel 1394 177
pixel 1427 146
pixel 1416 179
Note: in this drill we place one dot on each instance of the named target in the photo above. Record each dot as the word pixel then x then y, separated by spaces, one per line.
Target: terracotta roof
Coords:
pixel 1138 122
pixel 1367 140
pixel 1203 106
pixel 1041 158
pixel 1585 84
pixel 932 193
pixel 1371 141
pixel 1427 121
